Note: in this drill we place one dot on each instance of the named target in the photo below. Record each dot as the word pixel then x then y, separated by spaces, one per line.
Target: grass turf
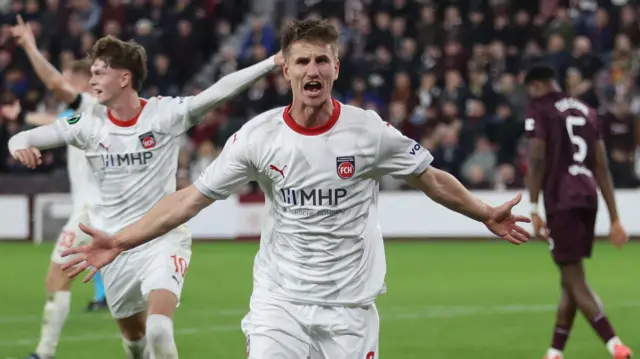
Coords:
pixel 449 300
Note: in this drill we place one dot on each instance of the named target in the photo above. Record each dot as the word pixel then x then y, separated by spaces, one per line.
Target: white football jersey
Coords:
pixel 134 162
pixel 81 179
pixel 321 242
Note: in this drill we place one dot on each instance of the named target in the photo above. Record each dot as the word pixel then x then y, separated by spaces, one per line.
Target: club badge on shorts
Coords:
pixel 345 166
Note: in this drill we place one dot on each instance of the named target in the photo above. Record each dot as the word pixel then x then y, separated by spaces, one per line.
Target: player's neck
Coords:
pixel 126 106
pixel 311 117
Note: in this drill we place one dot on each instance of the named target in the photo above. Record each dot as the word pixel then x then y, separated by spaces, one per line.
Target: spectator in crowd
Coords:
pixel 446 73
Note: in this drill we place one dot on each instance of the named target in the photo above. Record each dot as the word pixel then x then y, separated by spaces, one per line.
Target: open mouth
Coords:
pixel 313 87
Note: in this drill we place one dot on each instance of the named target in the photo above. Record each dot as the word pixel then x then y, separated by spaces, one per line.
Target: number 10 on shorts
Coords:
pixel 180 265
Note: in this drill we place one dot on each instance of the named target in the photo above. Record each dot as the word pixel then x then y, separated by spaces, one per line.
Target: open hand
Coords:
pixel 101 251
pixel 504 224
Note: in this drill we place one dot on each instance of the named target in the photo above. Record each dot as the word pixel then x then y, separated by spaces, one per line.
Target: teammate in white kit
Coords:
pixel 71 88
pixel 321 262
pixel 132 150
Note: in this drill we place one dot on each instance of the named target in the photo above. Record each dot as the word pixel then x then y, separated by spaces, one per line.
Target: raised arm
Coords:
pixel 231 85
pixel 49 75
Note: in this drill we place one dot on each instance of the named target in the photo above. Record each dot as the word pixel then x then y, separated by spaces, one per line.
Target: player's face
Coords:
pixel 107 82
pixel 311 68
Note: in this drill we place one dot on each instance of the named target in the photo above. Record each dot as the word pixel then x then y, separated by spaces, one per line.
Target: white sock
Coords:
pixel 56 311
pixel 612 343
pixel 136 349
pixel 553 353
pixel 160 334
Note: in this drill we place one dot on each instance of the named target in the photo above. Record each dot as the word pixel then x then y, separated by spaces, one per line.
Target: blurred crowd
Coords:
pixel 447 73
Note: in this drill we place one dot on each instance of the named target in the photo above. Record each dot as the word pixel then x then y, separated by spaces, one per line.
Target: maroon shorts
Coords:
pixel 572 234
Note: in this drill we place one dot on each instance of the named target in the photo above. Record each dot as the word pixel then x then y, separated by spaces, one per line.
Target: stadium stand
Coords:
pixel 447 73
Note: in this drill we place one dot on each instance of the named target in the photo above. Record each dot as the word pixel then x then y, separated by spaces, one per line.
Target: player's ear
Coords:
pixel 285 71
pixel 336 71
pixel 125 79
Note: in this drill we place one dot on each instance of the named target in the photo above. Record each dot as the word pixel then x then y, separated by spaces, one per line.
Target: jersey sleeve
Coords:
pixel 76 130
pixel 231 170
pixel 534 125
pixel 398 155
pixel 175 116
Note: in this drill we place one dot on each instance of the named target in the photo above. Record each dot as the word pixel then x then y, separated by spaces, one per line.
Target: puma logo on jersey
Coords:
pixel 106 148
pixel 280 171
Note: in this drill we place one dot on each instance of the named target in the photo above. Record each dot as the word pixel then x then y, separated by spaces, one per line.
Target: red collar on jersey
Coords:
pixel 126 123
pixel 313 131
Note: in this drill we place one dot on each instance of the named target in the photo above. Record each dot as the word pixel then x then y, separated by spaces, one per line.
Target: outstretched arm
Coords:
pixel 52 78
pixel 402 157
pixel 172 211
pixel 230 85
pixel 168 214
pixel 446 190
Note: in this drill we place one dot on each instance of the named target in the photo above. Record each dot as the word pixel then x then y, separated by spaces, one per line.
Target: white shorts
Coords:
pixel 71 236
pixel 160 264
pixel 284 330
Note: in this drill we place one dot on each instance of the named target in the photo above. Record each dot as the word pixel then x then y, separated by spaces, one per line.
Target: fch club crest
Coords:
pixel 148 140
pixel 345 166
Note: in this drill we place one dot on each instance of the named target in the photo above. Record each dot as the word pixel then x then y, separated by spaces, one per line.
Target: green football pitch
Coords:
pixel 449 300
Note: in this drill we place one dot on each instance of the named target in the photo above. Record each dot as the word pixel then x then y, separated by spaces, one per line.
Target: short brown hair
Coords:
pixel 312 30
pixel 82 67
pixel 122 55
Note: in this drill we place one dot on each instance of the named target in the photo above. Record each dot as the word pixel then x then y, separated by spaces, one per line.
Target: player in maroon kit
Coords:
pixel 567 160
